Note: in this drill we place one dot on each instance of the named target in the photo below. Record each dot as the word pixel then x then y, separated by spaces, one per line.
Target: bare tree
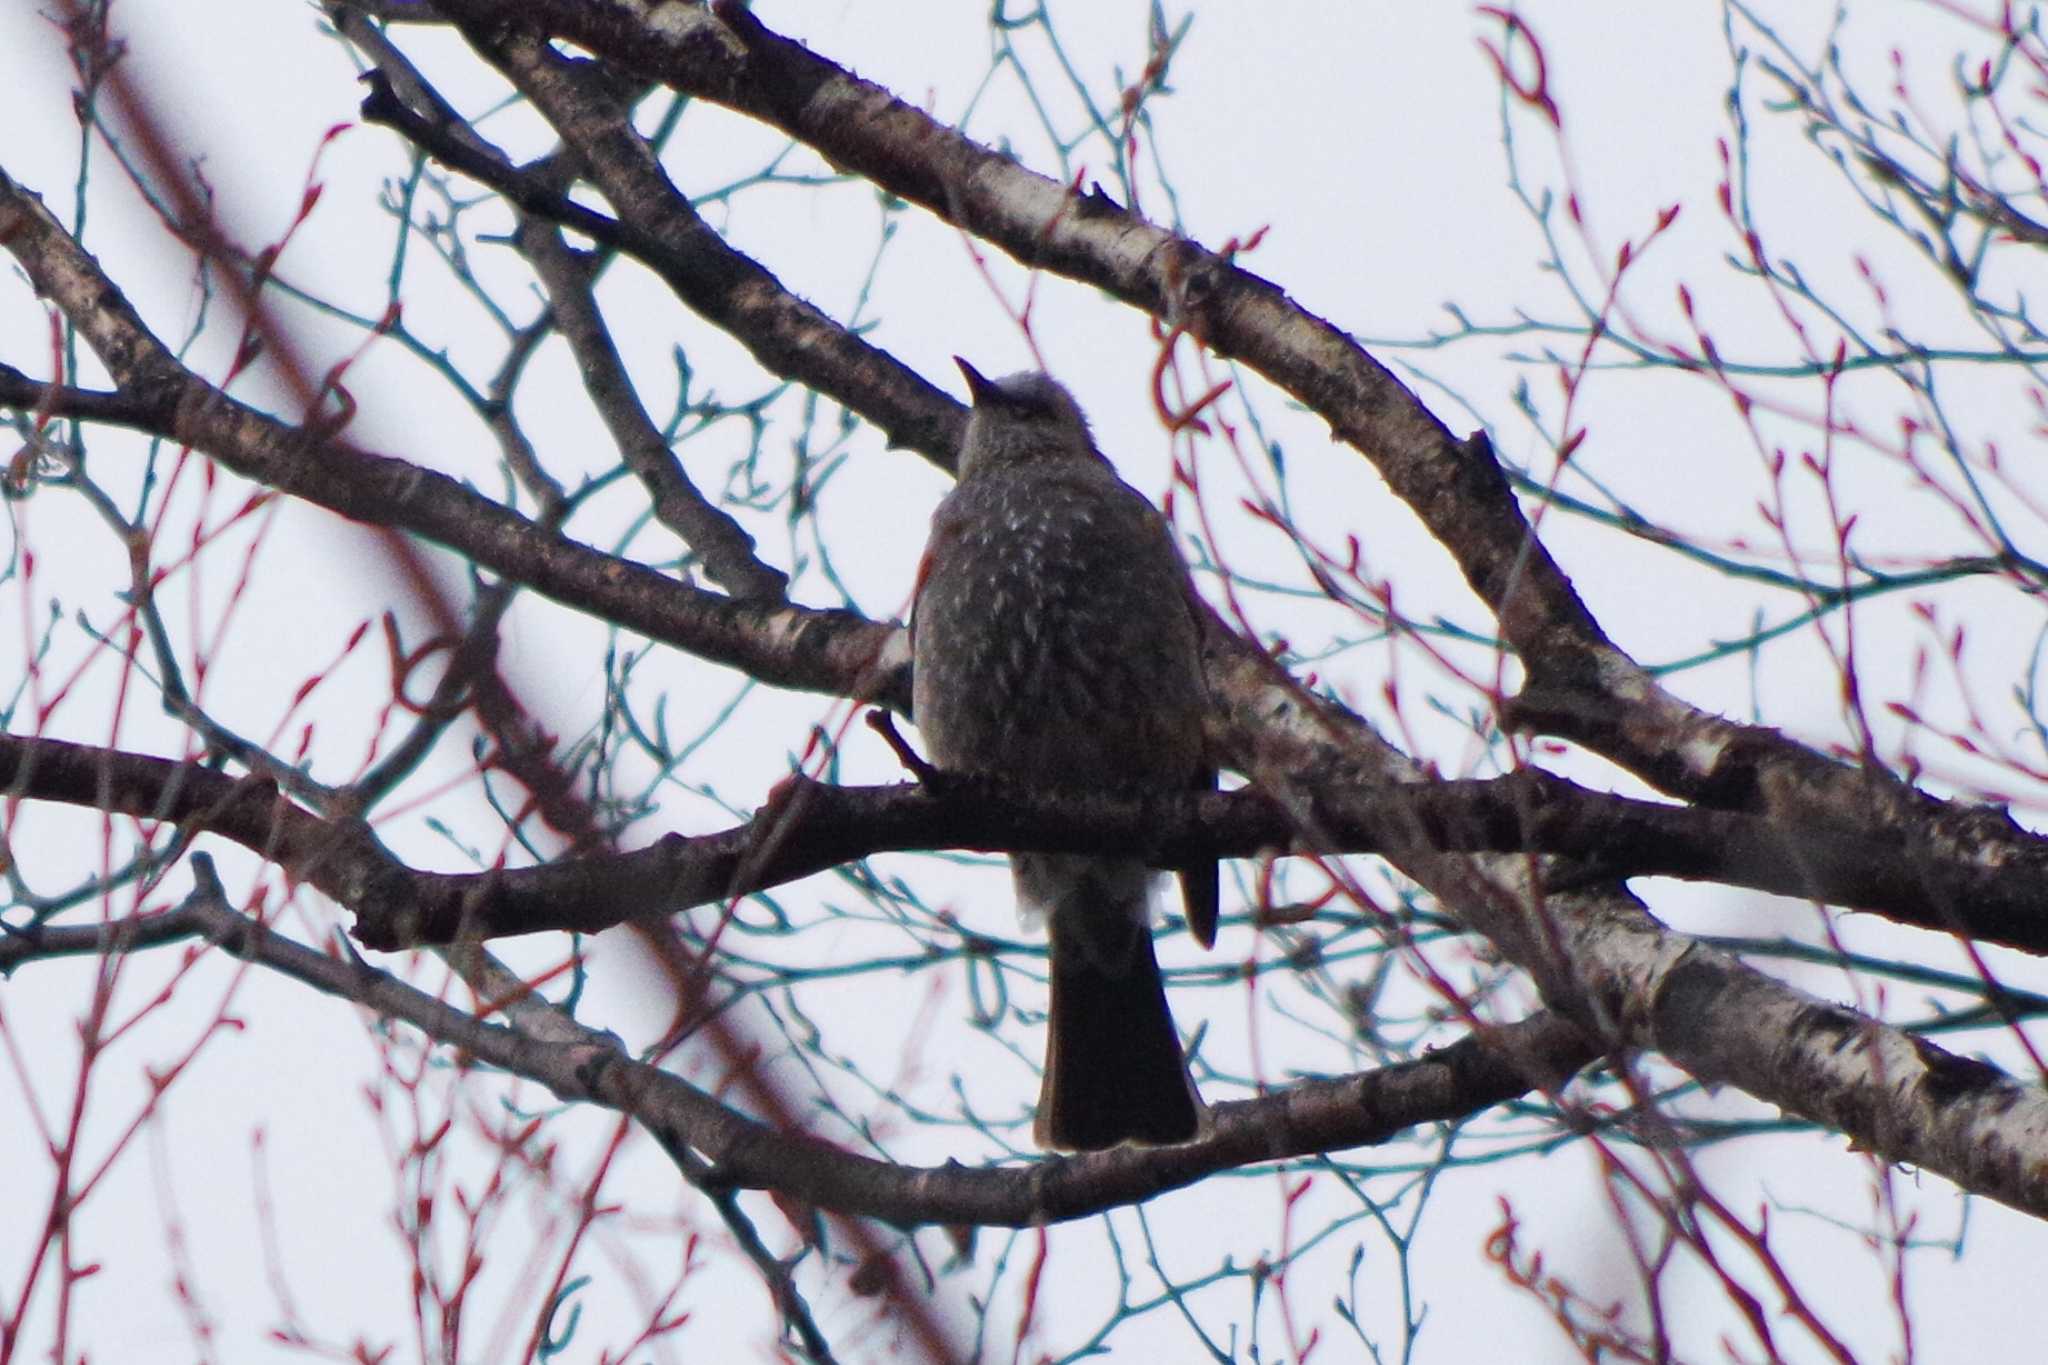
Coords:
pixel 627 646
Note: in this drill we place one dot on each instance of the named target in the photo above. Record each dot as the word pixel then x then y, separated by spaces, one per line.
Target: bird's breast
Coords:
pixel 1053 637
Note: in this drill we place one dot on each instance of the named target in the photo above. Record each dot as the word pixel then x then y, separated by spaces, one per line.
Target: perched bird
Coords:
pixel 1055 644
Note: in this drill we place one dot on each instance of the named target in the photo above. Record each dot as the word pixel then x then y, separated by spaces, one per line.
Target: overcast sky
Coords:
pixel 1366 141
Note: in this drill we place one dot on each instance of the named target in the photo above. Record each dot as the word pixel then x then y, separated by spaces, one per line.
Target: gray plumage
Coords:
pixel 1055 643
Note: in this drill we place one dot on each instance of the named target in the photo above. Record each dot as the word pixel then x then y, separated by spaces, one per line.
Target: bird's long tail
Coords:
pixel 1114 1070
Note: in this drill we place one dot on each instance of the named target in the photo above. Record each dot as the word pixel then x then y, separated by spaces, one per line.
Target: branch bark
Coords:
pixel 807 827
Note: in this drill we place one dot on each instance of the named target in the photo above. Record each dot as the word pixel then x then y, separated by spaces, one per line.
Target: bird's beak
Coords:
pixel 979 385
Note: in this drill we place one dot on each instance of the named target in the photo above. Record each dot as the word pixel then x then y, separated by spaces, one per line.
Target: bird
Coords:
pixel 1056 643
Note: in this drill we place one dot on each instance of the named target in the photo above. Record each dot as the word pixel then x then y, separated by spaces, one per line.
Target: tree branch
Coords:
pixel 807 827
pixel 727 1150
pixel 833 651
pixel 1581 686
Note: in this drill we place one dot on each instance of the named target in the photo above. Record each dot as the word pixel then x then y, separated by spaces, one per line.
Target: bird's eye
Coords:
pixel 1029 405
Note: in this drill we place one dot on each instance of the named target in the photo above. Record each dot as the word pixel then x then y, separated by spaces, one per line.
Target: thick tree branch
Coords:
pixel 1600 958
pixel 808 827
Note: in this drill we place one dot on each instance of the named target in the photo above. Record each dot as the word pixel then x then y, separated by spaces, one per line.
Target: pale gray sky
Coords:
pixel 1366 140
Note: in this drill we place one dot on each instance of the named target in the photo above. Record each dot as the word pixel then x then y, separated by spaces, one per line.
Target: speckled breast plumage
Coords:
pixel 1054 638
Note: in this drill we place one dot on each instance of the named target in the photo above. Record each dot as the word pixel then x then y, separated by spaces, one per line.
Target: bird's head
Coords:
pixel 1021 418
